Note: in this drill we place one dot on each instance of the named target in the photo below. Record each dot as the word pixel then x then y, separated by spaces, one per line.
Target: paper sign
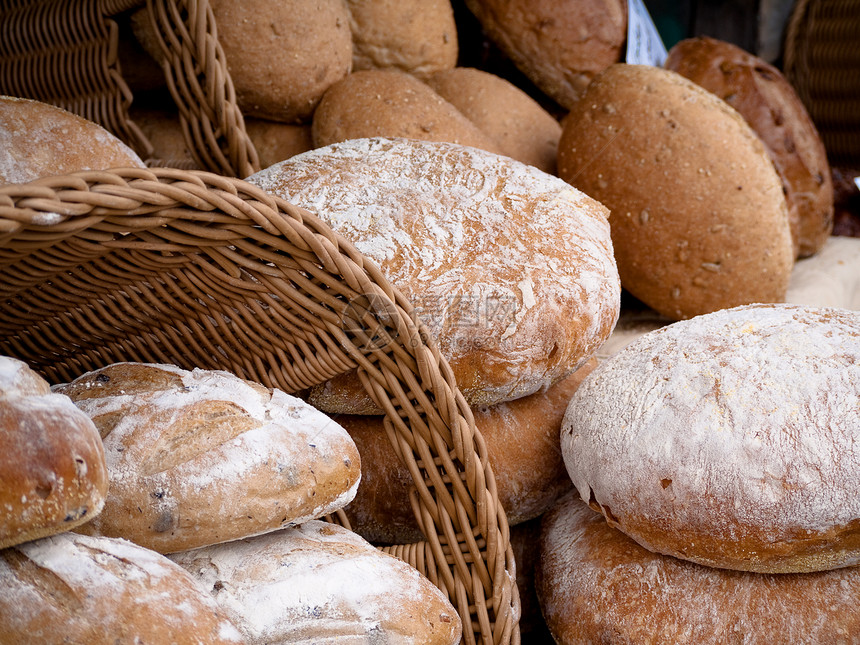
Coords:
pixel 644 46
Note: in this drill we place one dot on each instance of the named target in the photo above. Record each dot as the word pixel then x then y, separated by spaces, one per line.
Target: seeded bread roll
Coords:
pixel 414 36
pixel 768 102
pixel 41 140
pixel 560 45
pixel 53 475
pixel 387 103
pixel 510 268
pixel 699 221
pixel 72 588
pixel 593 581
pixel 319 584
pixel 728 439
pixel 200 457
pixel 502 111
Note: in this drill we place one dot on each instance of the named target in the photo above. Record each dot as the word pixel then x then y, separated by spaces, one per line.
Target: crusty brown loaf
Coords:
pixel 510 268
pixel 41 140
pixel 510 117
pixel 414 36
pixel 523 445
pixel 596 585
pixel 200 457
pixel 53 475
pixel 321 584
pixel 728 439
pixel 768 102
pixel 282 55
pixel 389 103
pixel 698 218
pixel 72 588
pixel 558 44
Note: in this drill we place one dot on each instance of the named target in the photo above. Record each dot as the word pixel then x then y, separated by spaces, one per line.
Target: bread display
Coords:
pixel 728 439
pixel 596 585
pixel 560 45
pixel 41 140
pixel 321 583
pixel 511 269
pixel 522 439
pixel 510 117
pixel 53 475
pixel 699 221
pixel 388 103
pixel 768 102
pixel 282 55
pixel 200 457
pixel 414 36
pixel 72 588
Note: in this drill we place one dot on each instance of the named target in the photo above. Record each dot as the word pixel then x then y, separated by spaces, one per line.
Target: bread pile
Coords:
pixel 144 460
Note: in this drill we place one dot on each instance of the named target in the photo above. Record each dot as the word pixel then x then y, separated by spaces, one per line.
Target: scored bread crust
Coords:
pixel 511 269
pixel 200 457
pixel 592 581
pixel 729 439
pixel 53 475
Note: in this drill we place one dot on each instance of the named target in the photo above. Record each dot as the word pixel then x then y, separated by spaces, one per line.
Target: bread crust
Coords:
pixel 768 102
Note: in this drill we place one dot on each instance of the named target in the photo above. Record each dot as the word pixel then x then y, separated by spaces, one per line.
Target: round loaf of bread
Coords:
pixel 595 585
pixel 414 36
pixel 514 120
pixel 200 457
pixel 72 588
pixel 388 103
pixel 510 268
pixel 728 439
pixel 559 46
pixel 321 583
pixel 830 278
pixel 699 220
pixel 768 102
pixel 41 140
pixel 522 439
pixel 53 474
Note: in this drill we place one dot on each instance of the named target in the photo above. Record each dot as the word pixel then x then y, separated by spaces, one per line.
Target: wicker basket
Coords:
pixel 822 61
pixel 201 269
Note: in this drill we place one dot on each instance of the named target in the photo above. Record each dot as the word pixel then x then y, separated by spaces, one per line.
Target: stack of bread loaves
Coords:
pixel 720 456
pixel 162 461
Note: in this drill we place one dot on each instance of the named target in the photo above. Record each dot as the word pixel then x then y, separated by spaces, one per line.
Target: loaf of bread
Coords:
pixel 516 122
pixel 414 36
pixel 728 439
pixel 522 438
pixel 282 55
pixel 768 102
pixel 510 268
pixel 560 45
pixel 699 220
pixel 830 278
pixel 41 140
pixel 72 588
pixel 595 585
pixel 320 583
pixel 200 457
pixel 53 475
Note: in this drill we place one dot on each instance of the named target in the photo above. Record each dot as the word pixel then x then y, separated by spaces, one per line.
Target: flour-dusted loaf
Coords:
pixel 595 585
pixel 699 220
pixel 200 457
pixel 729 439
pixel 53 475
pixel 72 588
pixel 830 278
pixel 768 102
pixel 41 140
pixel 510 268
pixel 522 438
pixel 320 583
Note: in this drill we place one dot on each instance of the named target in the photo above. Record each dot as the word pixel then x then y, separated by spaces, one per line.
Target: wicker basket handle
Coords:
pixel 202 270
